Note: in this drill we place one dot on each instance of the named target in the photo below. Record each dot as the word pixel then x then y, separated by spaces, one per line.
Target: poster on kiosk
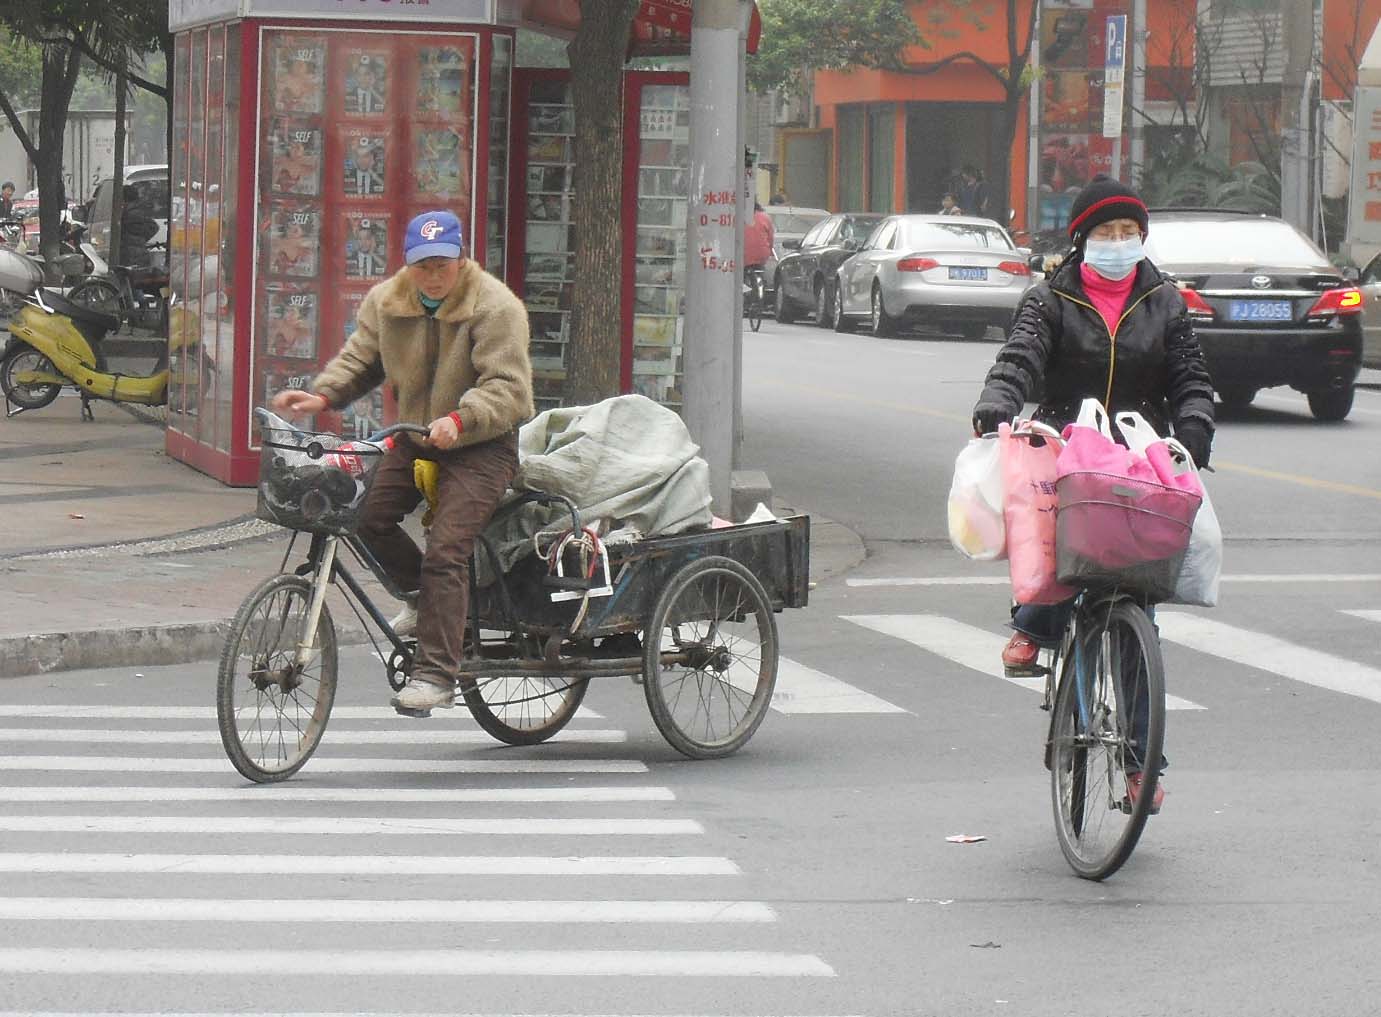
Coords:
pixel 308 133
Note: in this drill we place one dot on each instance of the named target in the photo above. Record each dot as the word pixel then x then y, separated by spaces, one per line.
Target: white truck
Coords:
pixel 88 152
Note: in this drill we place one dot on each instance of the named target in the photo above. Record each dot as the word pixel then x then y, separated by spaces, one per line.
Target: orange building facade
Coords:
pixel 900 138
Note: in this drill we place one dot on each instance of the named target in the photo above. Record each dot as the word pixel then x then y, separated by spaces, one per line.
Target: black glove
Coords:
pixel 1197 437
pixel 986 417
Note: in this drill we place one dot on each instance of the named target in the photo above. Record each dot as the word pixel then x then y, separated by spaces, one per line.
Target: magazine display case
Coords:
pixel 313 141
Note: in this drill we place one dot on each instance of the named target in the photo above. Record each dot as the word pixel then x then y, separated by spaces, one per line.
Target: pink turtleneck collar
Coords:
pixel 1109 296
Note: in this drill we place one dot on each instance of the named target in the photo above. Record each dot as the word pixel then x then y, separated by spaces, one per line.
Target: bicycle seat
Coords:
pixel 92 324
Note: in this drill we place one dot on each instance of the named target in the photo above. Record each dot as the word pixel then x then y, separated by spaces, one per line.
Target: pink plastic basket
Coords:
pixel 1115 530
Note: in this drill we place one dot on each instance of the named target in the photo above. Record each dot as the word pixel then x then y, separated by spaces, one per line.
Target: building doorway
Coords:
pixel 941 138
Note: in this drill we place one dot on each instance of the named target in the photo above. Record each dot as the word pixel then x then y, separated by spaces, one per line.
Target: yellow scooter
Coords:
pixel 55 342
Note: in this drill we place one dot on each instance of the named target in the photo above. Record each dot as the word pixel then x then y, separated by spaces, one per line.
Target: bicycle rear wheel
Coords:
pixel 525 709
pixel 756 299
pixel 1109 722
pixel 272 713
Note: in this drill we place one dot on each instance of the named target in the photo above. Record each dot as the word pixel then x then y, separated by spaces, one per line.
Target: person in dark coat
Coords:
pixel 1106 325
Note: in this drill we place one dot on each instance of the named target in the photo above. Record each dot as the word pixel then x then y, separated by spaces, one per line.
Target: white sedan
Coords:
pixel 958 273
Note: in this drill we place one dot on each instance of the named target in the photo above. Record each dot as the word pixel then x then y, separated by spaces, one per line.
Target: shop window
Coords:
pixel 549 259
pixel 500 78
pixel 660 265
pixel 852 155
pixel 880 159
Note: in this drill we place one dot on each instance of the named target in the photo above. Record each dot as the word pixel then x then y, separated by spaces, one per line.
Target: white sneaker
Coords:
pixel 404 623
pixel 419 698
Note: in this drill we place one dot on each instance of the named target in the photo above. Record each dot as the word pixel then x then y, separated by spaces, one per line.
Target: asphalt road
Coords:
pixel 810 874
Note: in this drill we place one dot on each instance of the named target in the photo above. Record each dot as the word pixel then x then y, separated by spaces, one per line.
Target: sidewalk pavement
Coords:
pixel 115 555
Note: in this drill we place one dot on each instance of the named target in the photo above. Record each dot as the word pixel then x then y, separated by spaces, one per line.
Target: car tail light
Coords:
pixel 1014 268
pixel 916 264
pixel 1347 300
pixel 1197 305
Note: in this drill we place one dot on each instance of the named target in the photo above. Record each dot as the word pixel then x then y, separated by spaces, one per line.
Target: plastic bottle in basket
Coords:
pixel 346 458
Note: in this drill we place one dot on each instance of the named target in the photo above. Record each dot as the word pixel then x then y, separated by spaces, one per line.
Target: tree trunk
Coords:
pixel 60 66
pixel 117 194
pixel 1000 187
pixel 594 351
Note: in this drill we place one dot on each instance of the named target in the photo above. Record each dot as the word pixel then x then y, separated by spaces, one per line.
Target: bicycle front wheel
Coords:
pixel 1108 723
pixel 98 295
pixel 756 299
pixel 271 710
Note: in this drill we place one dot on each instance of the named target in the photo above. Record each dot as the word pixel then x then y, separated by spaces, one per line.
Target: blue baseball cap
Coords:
pixel 433 235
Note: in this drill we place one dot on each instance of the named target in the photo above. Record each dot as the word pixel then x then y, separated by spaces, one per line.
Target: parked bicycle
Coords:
pixel 136 295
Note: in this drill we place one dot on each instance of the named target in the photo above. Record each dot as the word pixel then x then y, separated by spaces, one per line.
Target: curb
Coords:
pixel 835 549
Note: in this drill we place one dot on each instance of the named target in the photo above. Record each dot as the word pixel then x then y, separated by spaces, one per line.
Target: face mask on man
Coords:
pixel 1113 259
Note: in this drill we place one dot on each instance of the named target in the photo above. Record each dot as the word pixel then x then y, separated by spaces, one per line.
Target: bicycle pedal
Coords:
pixel 1034 671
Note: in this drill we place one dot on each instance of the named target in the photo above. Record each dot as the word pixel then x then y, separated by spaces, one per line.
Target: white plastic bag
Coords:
pixel 1203 562
pixel 976 528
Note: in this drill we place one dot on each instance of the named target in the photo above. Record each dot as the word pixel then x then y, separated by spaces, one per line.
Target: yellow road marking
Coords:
pixel 1252 471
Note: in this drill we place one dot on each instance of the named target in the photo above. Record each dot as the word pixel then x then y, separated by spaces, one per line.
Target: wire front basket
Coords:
pixel 314 482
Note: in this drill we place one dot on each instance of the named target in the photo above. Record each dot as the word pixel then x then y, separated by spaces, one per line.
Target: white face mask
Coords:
pixel 1113 259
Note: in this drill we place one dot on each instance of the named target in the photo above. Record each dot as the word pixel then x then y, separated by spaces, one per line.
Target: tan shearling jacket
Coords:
pixel 470 357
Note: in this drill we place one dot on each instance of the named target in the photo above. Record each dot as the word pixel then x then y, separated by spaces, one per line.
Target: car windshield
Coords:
pixel 918 235
pixel 792 223
pixel 1213 242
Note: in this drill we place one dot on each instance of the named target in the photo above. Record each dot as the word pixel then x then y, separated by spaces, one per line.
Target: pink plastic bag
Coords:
pixel 1029 453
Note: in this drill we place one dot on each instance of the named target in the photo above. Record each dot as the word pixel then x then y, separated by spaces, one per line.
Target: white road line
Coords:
pixel 363 865
pixel 294 826
pixel 1270 653
pixel 1302 403
pixel 114 909
pixel 296 793
pixel 802 689
pixel 378 767
pixel 974 648
pixel 1267 577
pixel 420 964
pixel 87 711
pixel 338 736
pixel 1366 615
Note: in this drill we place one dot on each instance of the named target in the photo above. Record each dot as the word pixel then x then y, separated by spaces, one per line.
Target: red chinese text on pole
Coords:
pixel 715 214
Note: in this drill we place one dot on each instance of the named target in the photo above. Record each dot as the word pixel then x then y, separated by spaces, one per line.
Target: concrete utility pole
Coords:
pixel 1296 86
pixel 1140 34
pixel 714 228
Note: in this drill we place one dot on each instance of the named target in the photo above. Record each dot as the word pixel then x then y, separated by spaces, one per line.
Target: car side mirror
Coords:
pixel 1025 252
pixel 1036 262
pixel 792 245
pixel 1350 274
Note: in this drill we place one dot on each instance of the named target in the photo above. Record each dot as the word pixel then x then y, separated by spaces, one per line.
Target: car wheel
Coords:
pixel 884 325
pixel 784 313
pixel 1331 404
pixel 824 305
pixel 841 320
pixel 1236 398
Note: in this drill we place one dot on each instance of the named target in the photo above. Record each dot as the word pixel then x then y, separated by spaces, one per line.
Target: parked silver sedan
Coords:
pixel 959 273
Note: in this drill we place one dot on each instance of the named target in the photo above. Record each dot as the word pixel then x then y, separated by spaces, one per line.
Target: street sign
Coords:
pixel 1364 208
pixel 1114 69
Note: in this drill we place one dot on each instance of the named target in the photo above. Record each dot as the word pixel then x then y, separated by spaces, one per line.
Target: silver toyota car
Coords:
pixel 956 273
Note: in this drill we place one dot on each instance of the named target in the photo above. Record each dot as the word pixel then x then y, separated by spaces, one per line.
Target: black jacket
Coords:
pixel 1151 361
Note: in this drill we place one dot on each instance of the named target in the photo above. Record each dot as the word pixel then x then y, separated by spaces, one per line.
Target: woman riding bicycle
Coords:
pixel 1108 325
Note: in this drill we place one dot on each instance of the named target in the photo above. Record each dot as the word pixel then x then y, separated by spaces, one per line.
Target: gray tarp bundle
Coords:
pixel 627 461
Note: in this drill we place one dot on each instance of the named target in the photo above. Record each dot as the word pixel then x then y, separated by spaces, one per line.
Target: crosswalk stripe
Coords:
pixel 292 826
pixel 802 689
pixel 76 711
pixel 325 764
pixel 1366 615
pixel 355 865
pixel 294 793
pixel 337 736
pixel 967 645
pixel 418 964
pixel 143 909
pixel 1270 653
pixel 1244 577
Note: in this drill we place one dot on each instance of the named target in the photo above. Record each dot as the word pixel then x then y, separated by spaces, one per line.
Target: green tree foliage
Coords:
pixel 800 37
pixel 21 66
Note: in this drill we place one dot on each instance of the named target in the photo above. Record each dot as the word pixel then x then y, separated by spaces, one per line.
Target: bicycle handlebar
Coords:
pixel 262 414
